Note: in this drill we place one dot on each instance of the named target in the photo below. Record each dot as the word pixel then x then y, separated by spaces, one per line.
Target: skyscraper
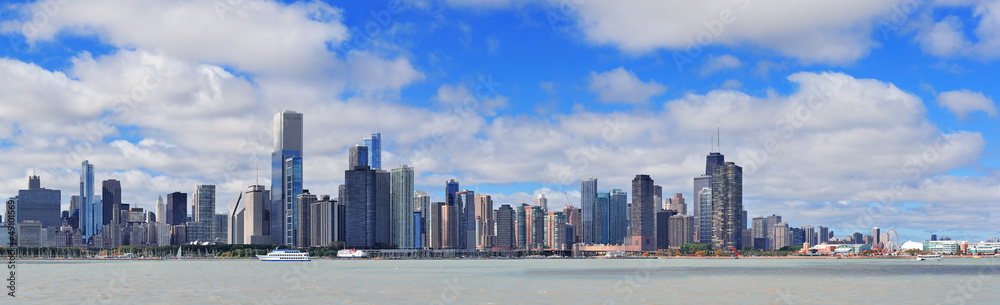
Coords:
pixel 457 229
pixel 759 227
pixel 663 228
pixel 93 214
pixel 823 234
pixel 677 204
pixel 618 220
pixel 161 210
pixel 703 208
pixel 287 147
pixel 810 234
pixel 573 220
pixel 358 156
pixel 368 207
pixel 782 238
pixel 111 195
pixel 555 230
pixel 642 221
pixel 505 227
pixel 423 202
pixel 374 144
pixel 176 208
pixel 401 197
pixel 771 221
pixel 876 234
pixel 467 200
pixel 486 237
pixel 434 222
pixel 602 218
pixel 204 212
pixel 542 202
pixel 658 198
pixel 520 224
pixel 588 193
pixel 304 225
pixel 727 206
pixel 37 203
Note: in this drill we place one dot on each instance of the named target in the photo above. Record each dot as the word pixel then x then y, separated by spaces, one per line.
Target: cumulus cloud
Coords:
pixel 719 63
pixel 833 32
pixel 946 37
pixel 620 85
pixel 961 103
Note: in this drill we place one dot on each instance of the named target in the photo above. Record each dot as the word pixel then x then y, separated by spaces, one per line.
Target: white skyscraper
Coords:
pixel 161 211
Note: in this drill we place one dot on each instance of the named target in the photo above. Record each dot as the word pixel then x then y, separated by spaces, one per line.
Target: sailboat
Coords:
pixel 179 255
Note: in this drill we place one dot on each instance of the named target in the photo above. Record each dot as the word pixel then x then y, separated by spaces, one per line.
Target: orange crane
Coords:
pixel 734 252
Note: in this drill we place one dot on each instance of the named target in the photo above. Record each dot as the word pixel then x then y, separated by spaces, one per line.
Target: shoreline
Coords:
pixel 510 258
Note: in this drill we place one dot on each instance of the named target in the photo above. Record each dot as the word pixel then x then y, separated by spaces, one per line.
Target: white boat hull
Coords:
pixel 265 258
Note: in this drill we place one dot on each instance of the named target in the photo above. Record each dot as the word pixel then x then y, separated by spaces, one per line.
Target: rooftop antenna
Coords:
pixel 257 156
pixel 718 135
pixel 376 123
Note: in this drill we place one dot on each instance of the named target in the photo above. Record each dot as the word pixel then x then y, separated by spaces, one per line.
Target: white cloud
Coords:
pixel 620 85
pixel 828 32
pixel 963 102
pixel 947 37
pixel 943 38
pixel 719 63
pixel 288 39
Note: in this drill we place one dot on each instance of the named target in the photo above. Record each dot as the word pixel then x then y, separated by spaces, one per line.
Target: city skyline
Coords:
pixel 825 137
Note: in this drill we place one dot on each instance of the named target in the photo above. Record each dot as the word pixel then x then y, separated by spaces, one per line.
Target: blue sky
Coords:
pixel 588 89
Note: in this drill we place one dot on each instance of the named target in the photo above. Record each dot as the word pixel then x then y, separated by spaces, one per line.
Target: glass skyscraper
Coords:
pixel 641 226
pixel 374 144
pixel 401 197
pixel 92 214
pixel 617 211
pixel 602 219
pixel 204 212
pixel 727 206
pixel 287 146
pixel 588 193
pixel 292 188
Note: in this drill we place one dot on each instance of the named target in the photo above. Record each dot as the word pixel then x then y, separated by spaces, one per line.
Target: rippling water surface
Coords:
pixel 564 281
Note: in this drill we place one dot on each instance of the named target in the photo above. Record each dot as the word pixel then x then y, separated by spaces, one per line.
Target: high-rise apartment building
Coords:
pixel 204 211
pixel 555 230
pixel 602 218
pixel 505 218
pixel 727 206
pixel 304 218
pixel 588 194
pixel 401 197
pixel 823 234
pixel 618 217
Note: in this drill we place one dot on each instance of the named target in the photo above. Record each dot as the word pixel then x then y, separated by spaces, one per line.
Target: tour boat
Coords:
pixel 928 257
pixel 284 255
pixel 351 253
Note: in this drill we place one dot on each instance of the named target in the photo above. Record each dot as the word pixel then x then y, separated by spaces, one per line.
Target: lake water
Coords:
pixel 564 281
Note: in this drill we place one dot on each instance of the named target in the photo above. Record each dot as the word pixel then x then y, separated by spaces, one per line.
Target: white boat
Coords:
pixel 284 255
pixel 351 253
pixel 929 257
pixel 615 253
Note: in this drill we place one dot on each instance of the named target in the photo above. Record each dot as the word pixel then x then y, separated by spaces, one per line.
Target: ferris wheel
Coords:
pixel 891 243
